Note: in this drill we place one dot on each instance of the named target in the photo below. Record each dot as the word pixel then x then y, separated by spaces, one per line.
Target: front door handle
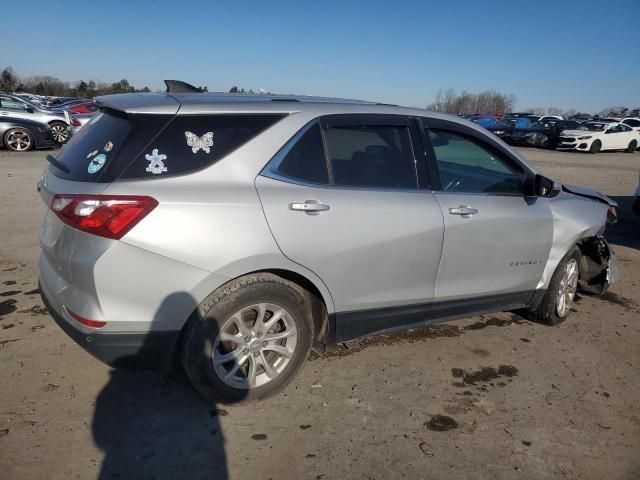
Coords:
pixel 465 211
pixel 312 207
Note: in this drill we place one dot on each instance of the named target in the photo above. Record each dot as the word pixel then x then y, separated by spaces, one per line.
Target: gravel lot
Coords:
pixel 522 400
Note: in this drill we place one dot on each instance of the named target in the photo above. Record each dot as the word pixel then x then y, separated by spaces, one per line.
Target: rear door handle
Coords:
pixel 465 211
pixel 309 206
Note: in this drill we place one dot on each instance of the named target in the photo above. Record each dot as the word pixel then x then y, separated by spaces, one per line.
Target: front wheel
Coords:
pixel 632 146
pixel 557 302
pixel 18 140
pixel 544 142
pixel 59 132
pixel 595 147
pixel 247 339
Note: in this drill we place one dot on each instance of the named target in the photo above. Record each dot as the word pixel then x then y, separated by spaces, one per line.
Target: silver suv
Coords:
pixel 238 232
pixel 16 107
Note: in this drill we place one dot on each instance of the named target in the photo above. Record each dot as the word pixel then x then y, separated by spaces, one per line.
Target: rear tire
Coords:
pixel 229 323
pixel 595 146
pixel 543 142
pixel 557 302
pixel 632 146
pixel 18 140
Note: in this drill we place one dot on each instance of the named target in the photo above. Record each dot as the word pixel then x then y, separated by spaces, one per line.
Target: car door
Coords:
pixel 342 199
pixel 612 138
pixel 497 239
pixel 11 107
pixel 627 135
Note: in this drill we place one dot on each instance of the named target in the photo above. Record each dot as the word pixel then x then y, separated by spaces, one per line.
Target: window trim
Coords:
pixel 351 119
pixel 528 176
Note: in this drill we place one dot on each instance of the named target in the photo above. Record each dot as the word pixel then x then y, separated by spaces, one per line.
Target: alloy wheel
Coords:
pixel 60 133
pixel 19 140
pixel 254 346
pixel 567 289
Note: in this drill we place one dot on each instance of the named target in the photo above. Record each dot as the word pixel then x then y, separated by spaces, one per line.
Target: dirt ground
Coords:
pixel 487 397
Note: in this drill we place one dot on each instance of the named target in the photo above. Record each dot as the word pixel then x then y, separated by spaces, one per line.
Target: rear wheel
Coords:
pixel 59 132
pixel 595 146
pixel 247 339
pixel 632 146
pixel 18 140
pixel 557 302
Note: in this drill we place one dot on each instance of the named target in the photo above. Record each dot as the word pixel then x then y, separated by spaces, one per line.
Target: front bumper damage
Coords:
pixel 598 266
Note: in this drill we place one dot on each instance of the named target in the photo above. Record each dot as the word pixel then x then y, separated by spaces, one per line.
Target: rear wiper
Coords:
pixel 59 165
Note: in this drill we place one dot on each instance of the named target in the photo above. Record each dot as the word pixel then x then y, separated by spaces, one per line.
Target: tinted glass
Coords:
pixel 306 161
pixel 190 143
pixel 632 122
pixel 112 146
pixel 371 156
pixel 468 165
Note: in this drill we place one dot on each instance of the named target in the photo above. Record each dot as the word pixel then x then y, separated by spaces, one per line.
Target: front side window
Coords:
pixel 468 165
pixel 375 156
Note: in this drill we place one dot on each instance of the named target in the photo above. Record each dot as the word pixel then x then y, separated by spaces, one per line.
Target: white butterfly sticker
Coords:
pixel 196 143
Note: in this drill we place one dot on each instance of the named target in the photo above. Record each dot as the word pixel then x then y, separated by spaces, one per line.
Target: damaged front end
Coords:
pixel 598 266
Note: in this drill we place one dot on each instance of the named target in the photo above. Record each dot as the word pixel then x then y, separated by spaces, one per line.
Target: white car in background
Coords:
pixel 594 137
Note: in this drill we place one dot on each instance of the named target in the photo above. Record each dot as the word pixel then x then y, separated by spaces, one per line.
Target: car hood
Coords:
pixel 578 133
pixel 588 193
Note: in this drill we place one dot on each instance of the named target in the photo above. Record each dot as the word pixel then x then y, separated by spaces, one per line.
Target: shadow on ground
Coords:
pixel 154 425
pixel 627 231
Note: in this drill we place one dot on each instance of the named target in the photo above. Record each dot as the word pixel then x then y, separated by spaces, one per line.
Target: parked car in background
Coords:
pixel 78 120
pixel 632 122
pixel 340 219
pixel 17 107
pixel 499 128
pixel 550 117
pixel 542 134
pixel 21 135
pixel 84 107
pixel 598 136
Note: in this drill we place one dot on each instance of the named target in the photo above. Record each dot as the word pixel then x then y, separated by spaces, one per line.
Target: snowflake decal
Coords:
pixel 156 164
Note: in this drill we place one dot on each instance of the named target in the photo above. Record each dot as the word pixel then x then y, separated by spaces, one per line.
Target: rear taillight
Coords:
pixel 75 122
pixel 110 216
pixel 85 321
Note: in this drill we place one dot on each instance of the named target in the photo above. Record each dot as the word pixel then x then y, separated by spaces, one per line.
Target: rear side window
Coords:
pixel 306 161
pixel 116 146
pixel 374 156
pixel 371 156
pixel 190 143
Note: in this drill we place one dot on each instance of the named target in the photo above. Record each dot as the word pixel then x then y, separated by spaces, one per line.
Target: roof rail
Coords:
pixel 177 86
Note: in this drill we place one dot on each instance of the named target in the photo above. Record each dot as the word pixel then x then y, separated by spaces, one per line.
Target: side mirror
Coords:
pixel 28 109
pixel 543 186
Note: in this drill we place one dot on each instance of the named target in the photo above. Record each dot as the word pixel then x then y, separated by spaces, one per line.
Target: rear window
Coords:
pixel 113 146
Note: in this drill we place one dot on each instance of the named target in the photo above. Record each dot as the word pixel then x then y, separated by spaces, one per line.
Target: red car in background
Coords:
pixel 85 107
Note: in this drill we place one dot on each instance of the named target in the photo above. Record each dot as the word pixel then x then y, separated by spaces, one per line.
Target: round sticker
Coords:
pixel 97 163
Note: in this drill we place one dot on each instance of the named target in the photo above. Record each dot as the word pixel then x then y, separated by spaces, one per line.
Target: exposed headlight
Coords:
pixel 584 138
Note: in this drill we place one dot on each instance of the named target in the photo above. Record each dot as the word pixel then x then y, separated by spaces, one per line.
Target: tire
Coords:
pixel 543 142
pixel 549 311
pixel 18 140
pixel 59 132
pixel 632 146
pixel 595 146
pixel 223 313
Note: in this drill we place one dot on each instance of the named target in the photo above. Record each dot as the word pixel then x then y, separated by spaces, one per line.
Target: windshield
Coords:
pixel 593 127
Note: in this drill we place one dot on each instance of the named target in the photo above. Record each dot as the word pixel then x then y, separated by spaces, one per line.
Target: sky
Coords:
pixel 579 54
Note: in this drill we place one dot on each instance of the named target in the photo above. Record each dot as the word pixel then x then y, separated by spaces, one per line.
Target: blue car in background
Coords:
pixel 497 127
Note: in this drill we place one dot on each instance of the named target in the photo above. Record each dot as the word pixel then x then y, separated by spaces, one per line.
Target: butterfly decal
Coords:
pixel 196 143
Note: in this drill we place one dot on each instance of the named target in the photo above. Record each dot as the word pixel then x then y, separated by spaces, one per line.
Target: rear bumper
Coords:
pixel 151 350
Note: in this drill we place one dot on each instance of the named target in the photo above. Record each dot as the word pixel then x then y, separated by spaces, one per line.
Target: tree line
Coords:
pixel 51 86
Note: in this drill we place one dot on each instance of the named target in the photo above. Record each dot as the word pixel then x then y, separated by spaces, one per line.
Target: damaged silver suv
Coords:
pixel 237 232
